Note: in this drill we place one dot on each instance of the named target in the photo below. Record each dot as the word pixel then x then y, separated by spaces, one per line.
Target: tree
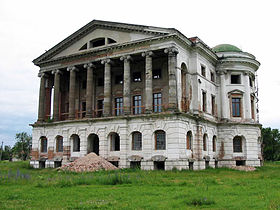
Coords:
pixel 271 144
pixel 7 153
pixel 22 147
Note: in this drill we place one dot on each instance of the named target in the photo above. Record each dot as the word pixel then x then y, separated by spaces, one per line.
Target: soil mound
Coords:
pixel 88 163
pixel 244 168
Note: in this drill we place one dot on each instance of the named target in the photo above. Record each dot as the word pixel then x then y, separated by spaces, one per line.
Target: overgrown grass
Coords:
pixel 22 187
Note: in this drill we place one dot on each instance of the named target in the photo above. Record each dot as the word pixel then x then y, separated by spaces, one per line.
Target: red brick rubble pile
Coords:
pixel 90 162
pixel 244 168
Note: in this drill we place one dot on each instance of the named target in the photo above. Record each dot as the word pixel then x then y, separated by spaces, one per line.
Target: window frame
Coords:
pixel 137 107
pixel 237 148
pixel 203 70
pixel 205 142
pixel 238 82
pixel 157 102
pixel 189 140
pixel 44 146
pixel 135 139
pixel 118 106
pixel 161 146
pixel 236 106
pixel 59 145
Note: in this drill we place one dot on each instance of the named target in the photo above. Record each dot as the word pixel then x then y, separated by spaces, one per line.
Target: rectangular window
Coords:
pixel 203 101
pixel 44 145
pixel 83 109
pixel 235 79
pixel 252 108
pixel 203 70
pixel 213 102
pixel 118 106
pixel 157 102
pixel 212 76
pixel 136 77
pixel 137 104
pixel 236 102
pixel 99 111
pixel 59 144
pixel 156 73
pixel 119 79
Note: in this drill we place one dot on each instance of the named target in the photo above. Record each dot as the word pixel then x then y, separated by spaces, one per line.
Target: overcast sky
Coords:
pixel 29 28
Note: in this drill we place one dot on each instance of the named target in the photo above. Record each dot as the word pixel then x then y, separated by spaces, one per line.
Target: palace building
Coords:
pixel 147 97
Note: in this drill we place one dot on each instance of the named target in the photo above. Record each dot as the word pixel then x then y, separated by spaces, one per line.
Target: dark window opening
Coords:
pixel 212 77
pixel 84 47
pixel 205 142
pixel 240 163
pixel 93 144
pixel 136 77
pixel 115 142
pixel 42 164
pixel 100 81
pixel 160 140
pixel 207 164
pixel 59 144
pixel 118 106
pixel 203 101
pixel 97 42
pixel 57 164
pixel 236 104
pixel 235 79
pixel 237 144
pixel 136 141
pixel 203 70
pixel 250 82
pixel 214 143
pixel 156 73
pixel 190 165
pixel 213 102
pixel 137 104
pixel 76 143
pixel 111 41
pixel 157 102
pixel 44 144
pixel 83 109
pixel 119 79
pixel 159 165
pixel 252 108
pixel 100 105
pixel 135 164
pixel 189 140
pixel 115 163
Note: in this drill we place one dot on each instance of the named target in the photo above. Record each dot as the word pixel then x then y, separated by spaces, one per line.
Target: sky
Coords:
pixel 29 28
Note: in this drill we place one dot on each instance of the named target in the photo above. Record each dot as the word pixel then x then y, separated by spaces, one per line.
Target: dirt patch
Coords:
pixel 90 162
pixel 244 168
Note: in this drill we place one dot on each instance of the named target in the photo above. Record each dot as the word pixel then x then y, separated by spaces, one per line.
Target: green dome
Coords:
pixel 226 48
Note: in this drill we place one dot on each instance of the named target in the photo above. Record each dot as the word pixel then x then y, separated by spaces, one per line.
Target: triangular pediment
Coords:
pixel 98 34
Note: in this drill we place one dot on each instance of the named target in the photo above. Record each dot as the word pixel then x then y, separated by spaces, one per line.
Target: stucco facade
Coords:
pixel 147 97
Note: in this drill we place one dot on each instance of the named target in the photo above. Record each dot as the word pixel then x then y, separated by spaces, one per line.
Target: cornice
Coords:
pixel 242 60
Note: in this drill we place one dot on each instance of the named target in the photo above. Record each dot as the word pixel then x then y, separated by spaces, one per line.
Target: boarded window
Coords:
pixel 136 141
pixel 237 144
pixel 160 141
pixel 59 144
pixel 189 140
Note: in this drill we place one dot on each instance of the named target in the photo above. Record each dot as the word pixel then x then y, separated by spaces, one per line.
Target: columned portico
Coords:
pixel 172 64
pixel 56 94
pixel 42 93
pixel 148 81
pixel 72 86
pixel 107 87
pixel 126 84
pixel 89 89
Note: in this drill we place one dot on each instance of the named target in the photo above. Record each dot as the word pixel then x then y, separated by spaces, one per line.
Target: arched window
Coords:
pixel 76 143
pixel 115 142
pixel 136 141
pixel 44 144
pixel 214 143
pixel 160 141
pixel 97 42
pixel 189 140
pixel 237 144
pixel 205 142
pixel 59 144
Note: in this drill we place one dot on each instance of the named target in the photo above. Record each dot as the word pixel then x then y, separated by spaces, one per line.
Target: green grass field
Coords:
pixel 24 188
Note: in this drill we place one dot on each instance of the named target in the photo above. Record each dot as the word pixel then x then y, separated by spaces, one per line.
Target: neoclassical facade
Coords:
pixel 147 97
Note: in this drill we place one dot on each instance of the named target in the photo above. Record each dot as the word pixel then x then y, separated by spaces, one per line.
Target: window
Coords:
pixel 76 143
pixel 203 101
pixel 157 102
pixel 137 104
pixel 115 142
pixel 205 142
pixel 236 102
pixel 214 143
pixel 189 140
pixel 136 77
pixel 119 79
pixel 250 82
pixel 44 144
pixel 156 73
pixel 59 144
pixel 136 141
pixel 203 70
pixel 213 102
pixel 212 76
pixel 97 42
pixel 111 41
pixel 100 105
pixel 83 109
pixel 118 106
pixel 235 79
pixel 100 81
pixel 237 144
pixel 84 47
pixel 160 140
pixel 252 108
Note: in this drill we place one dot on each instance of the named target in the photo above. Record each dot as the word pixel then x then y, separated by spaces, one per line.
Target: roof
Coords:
pixel 226 48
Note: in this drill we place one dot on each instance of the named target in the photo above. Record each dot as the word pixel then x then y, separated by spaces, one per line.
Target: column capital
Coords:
pixel 89 65
pixel 246 73
pixel 171 51
pixel 72 68
pixel 106 60
pixel 126 58
pixel 147 54
pixel 56 71
pixel 42 74
pixel 223 72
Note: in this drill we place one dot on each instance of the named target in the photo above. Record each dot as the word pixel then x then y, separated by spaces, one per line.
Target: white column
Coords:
pixel 148 81
pixel 126 84
pixel 223 95
pixel 247 97
pixel 107 87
